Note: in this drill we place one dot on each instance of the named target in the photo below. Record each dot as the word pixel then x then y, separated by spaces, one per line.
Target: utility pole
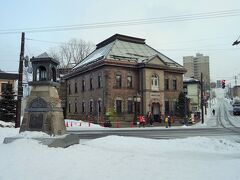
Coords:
pixel 20 88
pixel 236 42
pixel 202 100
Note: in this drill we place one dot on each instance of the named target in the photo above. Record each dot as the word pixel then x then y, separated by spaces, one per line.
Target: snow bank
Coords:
pixel 78 124
pixel 6 124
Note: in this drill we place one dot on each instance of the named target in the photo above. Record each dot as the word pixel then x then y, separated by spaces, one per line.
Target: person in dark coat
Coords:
pixel 150 118
pixel 169 121
pixel 213 112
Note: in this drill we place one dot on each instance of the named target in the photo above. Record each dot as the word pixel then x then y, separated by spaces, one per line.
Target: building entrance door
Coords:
pixel 156 112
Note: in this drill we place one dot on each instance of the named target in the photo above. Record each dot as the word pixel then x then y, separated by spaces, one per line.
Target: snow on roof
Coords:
pixel 95 55
pixel 188 79
pixel 126 48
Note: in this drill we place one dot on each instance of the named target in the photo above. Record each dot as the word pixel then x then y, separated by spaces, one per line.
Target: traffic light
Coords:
pixel 223 84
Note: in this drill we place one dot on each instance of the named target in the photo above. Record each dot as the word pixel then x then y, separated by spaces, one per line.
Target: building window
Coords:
pixel 99 106
pixel 4 86
pixel 167 107
pixel 83 107
pixel 118 81
pixel 129 81
pixel 69 107
pixel 166 84
pixel 174 84
pixel 91 84
pixel 83 85
pixel 130 106
pixel 75 85
pixel 119 106
pixel 99 81
pixel 69 89
pixel 91 106
pixel 75 107
pixel 155 86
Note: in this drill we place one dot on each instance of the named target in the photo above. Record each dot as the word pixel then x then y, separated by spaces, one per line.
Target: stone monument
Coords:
pixel 43 110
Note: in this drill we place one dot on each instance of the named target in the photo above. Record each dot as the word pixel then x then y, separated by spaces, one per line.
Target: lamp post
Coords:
pixel 137 100
pixel 185 106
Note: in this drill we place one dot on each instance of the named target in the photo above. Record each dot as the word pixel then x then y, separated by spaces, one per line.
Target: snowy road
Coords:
pixel 158 133
pixel 224 117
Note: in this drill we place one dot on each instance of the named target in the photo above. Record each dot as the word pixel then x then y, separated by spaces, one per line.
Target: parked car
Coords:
pixel 236 103
pixel 236 110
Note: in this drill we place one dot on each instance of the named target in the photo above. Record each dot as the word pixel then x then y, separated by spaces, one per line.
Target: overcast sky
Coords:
pixel 212 36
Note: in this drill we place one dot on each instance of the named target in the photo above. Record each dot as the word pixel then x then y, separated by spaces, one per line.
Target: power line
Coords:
pixel 229 49
pixel 43 41
pixel 166 19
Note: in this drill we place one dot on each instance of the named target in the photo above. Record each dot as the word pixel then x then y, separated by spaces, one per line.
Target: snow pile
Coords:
pixel 118 158
pixel 33 134
pixel 6 124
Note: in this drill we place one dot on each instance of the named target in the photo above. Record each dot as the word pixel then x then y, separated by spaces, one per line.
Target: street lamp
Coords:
pixel 185 106
pixel 137 100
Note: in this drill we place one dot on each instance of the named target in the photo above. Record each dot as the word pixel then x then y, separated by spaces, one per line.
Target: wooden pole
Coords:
pixel 20 88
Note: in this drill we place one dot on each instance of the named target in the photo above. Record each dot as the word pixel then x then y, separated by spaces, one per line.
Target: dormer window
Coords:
pixel 155 83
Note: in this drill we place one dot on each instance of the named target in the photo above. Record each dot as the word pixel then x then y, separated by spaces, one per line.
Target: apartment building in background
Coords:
pixel 195 65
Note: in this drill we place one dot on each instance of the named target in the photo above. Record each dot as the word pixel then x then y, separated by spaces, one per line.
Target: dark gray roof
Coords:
pixel 43 55
pixel 121 47
pixel 8 76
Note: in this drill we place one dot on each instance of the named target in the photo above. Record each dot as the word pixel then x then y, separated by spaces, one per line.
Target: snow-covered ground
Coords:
pixel 118 158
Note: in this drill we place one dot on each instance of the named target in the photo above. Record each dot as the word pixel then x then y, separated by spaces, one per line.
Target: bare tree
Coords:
pixel 71 53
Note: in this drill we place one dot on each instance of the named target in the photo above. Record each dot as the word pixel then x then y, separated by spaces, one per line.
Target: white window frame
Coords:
pixel 154 83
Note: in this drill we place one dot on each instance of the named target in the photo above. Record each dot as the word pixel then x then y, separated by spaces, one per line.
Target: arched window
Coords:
pixel 155 83
pixel 118 105
pixel 75 106
pixel 99 105
pixel 41 74
pixel 91 106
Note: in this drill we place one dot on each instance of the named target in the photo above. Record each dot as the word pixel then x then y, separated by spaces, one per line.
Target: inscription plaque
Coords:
pixel 36 121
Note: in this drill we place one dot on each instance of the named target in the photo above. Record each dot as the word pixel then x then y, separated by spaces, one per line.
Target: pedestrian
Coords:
pixel 166 122
pixel 169 121
pixel 213 112
pixel 150 118
pixel 142 121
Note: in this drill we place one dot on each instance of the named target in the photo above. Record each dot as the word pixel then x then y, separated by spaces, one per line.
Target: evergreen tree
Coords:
pixel 181 105
pixel 8 104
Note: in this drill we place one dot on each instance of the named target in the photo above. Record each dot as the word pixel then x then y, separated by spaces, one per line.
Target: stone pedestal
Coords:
pixel 43 111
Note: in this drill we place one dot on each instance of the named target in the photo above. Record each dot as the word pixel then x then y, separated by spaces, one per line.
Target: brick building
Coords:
pixel 125 76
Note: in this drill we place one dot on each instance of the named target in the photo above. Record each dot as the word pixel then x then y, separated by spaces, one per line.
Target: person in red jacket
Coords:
pixel 142 120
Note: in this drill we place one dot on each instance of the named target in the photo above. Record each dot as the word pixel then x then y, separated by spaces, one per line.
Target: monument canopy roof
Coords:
pixel 44 57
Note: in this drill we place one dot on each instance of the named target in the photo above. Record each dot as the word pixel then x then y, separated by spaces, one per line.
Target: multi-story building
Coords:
pixel 125 76
pixel 197 65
